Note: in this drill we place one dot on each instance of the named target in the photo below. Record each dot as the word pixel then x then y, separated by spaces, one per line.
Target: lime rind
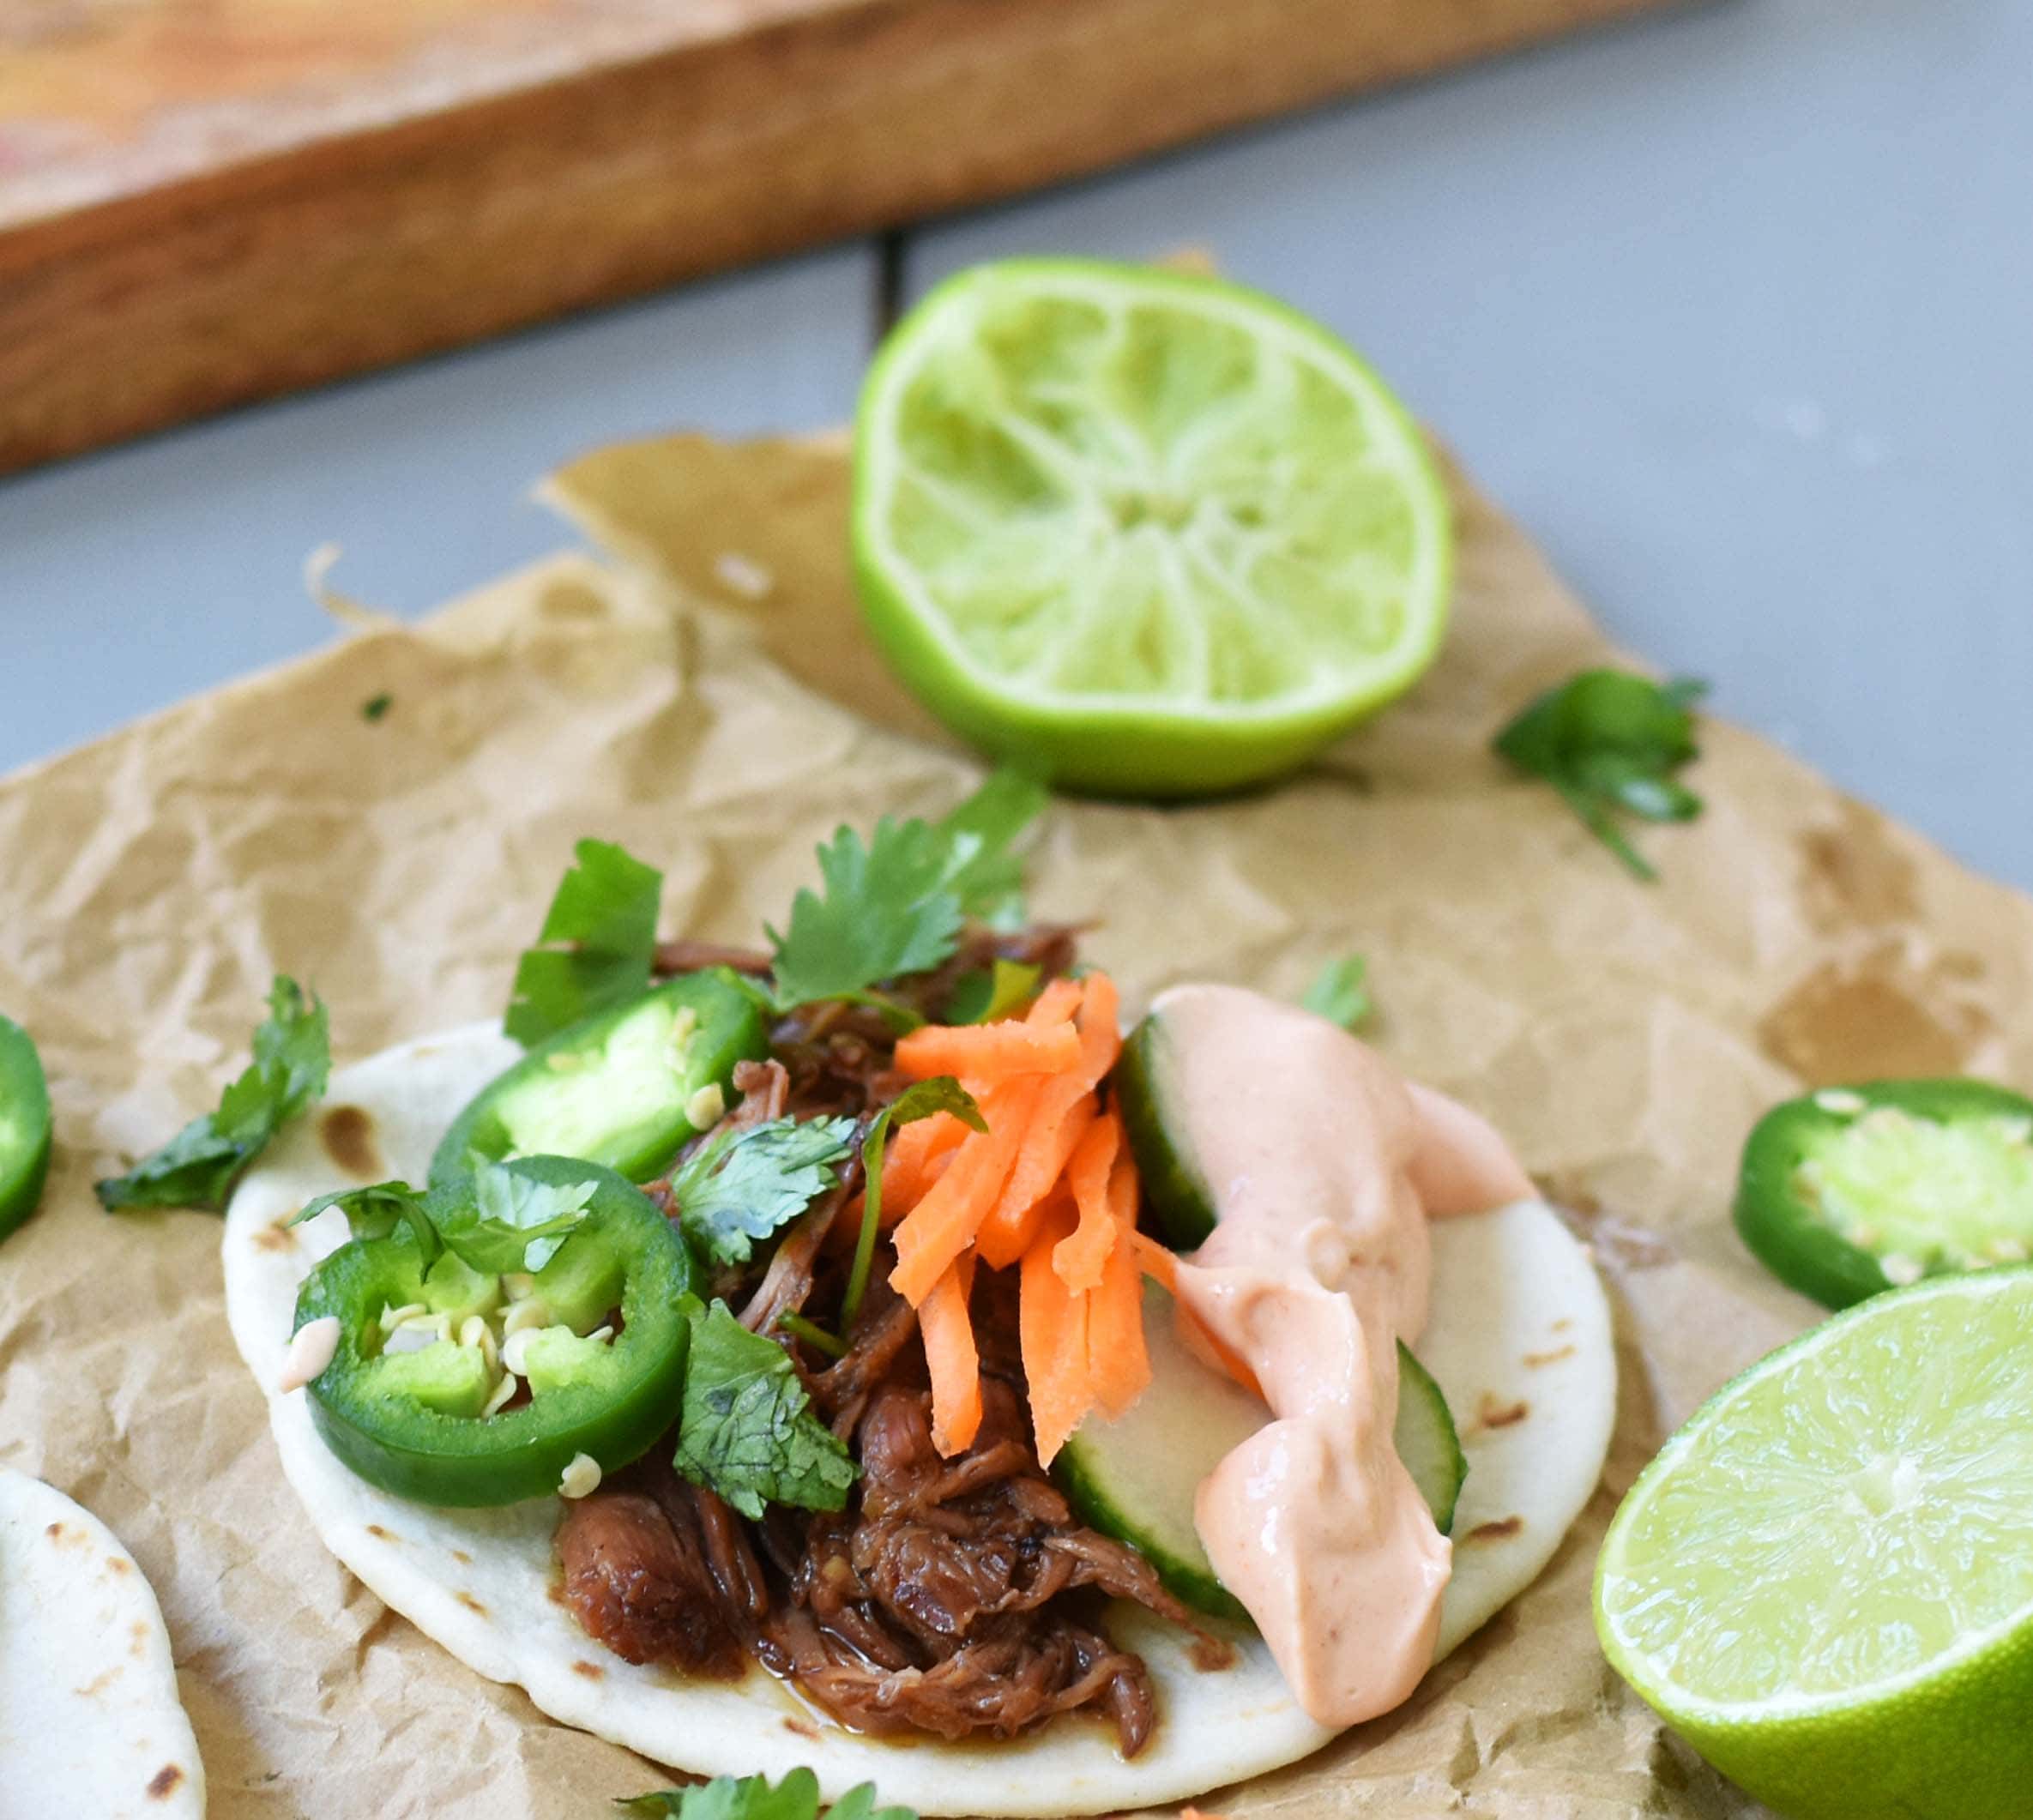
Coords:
pixel 1818 1521
pixel 1142 529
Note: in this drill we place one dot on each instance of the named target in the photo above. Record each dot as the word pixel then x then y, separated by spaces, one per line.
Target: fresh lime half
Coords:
pixel 1824 1582
pixel 1144 532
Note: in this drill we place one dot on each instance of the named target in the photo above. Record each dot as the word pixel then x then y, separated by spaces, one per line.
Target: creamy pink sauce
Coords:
pixel 1324 1165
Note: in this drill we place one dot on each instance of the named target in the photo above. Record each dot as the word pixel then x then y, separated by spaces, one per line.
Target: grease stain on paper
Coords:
pixel 1853 876
pixel 1877 1017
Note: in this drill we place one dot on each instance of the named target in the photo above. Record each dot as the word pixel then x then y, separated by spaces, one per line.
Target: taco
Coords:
pixel 917 1381
pixel 90 1721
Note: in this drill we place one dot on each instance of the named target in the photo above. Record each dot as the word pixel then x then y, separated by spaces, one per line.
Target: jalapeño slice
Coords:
pixel 412 1398
pixel 1852 1190
pixel 625 1088
pixel 24 1126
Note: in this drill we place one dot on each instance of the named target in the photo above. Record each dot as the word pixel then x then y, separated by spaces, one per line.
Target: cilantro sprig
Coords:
pixel 1339 992
pixel 1609 741
pixel 596 945
pixel 197 1167
pixel 887 907
pixel 736 1189
pixel 746 1428
pixel 752 1798
pixel 495 1219
pixel 893 904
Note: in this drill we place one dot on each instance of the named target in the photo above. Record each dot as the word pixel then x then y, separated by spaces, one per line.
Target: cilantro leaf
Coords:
pixel 510 1221
pixel 1000 991
pixel 990 881
pixel 893 905
pixel 942 1094
pixel 1339 993
pixel 735 1190
pixel 494 1219
pixel 746 1428
pixel 197 1167
pixel 752 1798
pixel 375 706
pixel 887 909
pixel 1606 741
pixel 377 1211
pixel 596 945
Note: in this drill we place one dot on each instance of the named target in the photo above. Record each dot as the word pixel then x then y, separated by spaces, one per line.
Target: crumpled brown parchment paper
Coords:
pixel 712 702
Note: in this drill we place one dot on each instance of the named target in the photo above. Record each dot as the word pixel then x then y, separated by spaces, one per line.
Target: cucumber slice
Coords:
pixel 1427 1442
pixel 1174 1187
pixel 1135 1478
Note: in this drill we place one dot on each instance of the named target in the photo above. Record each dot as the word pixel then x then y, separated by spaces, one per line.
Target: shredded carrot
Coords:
pixel 1155 1260
pixel 1058 1002
pixel 1080 1258
pixel 1050 1187
pixel 951 1359
pixel 1118 1362
pixel 943 1224
pixel 1052 1325
pixel 1012 1223
pixel 1065 1109
pixel 1067 1105
pixel 988 1053
pixel 914 1159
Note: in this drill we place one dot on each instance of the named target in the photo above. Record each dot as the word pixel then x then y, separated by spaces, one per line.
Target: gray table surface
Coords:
pixel 1734 307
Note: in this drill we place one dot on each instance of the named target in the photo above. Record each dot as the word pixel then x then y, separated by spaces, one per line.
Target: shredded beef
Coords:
pixel 957 1597
pixel 661 1578
pixel 765 1090
pixel 951 1601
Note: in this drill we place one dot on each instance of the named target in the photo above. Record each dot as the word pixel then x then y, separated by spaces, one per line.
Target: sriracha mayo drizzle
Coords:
pixel 1322 1166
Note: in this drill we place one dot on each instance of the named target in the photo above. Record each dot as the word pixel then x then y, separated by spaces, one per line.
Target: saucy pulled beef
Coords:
pixel 955 1597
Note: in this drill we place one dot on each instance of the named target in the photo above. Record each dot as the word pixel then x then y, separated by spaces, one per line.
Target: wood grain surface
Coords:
pixel 206 201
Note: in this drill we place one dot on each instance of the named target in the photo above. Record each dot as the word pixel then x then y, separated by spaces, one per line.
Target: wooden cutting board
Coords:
pixel 204 202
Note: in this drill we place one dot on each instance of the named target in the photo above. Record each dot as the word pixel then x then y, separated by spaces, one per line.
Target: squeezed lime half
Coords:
pixel 1824 1582
pixel 1140 531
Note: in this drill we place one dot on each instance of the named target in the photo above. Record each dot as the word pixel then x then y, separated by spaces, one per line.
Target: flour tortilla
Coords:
pixel 1519 1340
pixel 90 1722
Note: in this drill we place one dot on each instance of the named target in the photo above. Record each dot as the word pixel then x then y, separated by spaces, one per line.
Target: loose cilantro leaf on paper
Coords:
pixel 596 945
pixel 197 1167
pixel 752 1798
pixel 1607 741
pixel 1339 992
pixel 494 1219
pixel 997 992
pixel 746 1428
pixel 942 1094
pixel 893 904
pixel 376 1211
pixel 737 1188
pixel 375 706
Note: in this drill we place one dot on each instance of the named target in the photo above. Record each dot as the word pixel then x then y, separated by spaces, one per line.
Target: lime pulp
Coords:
pixel 1140 530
